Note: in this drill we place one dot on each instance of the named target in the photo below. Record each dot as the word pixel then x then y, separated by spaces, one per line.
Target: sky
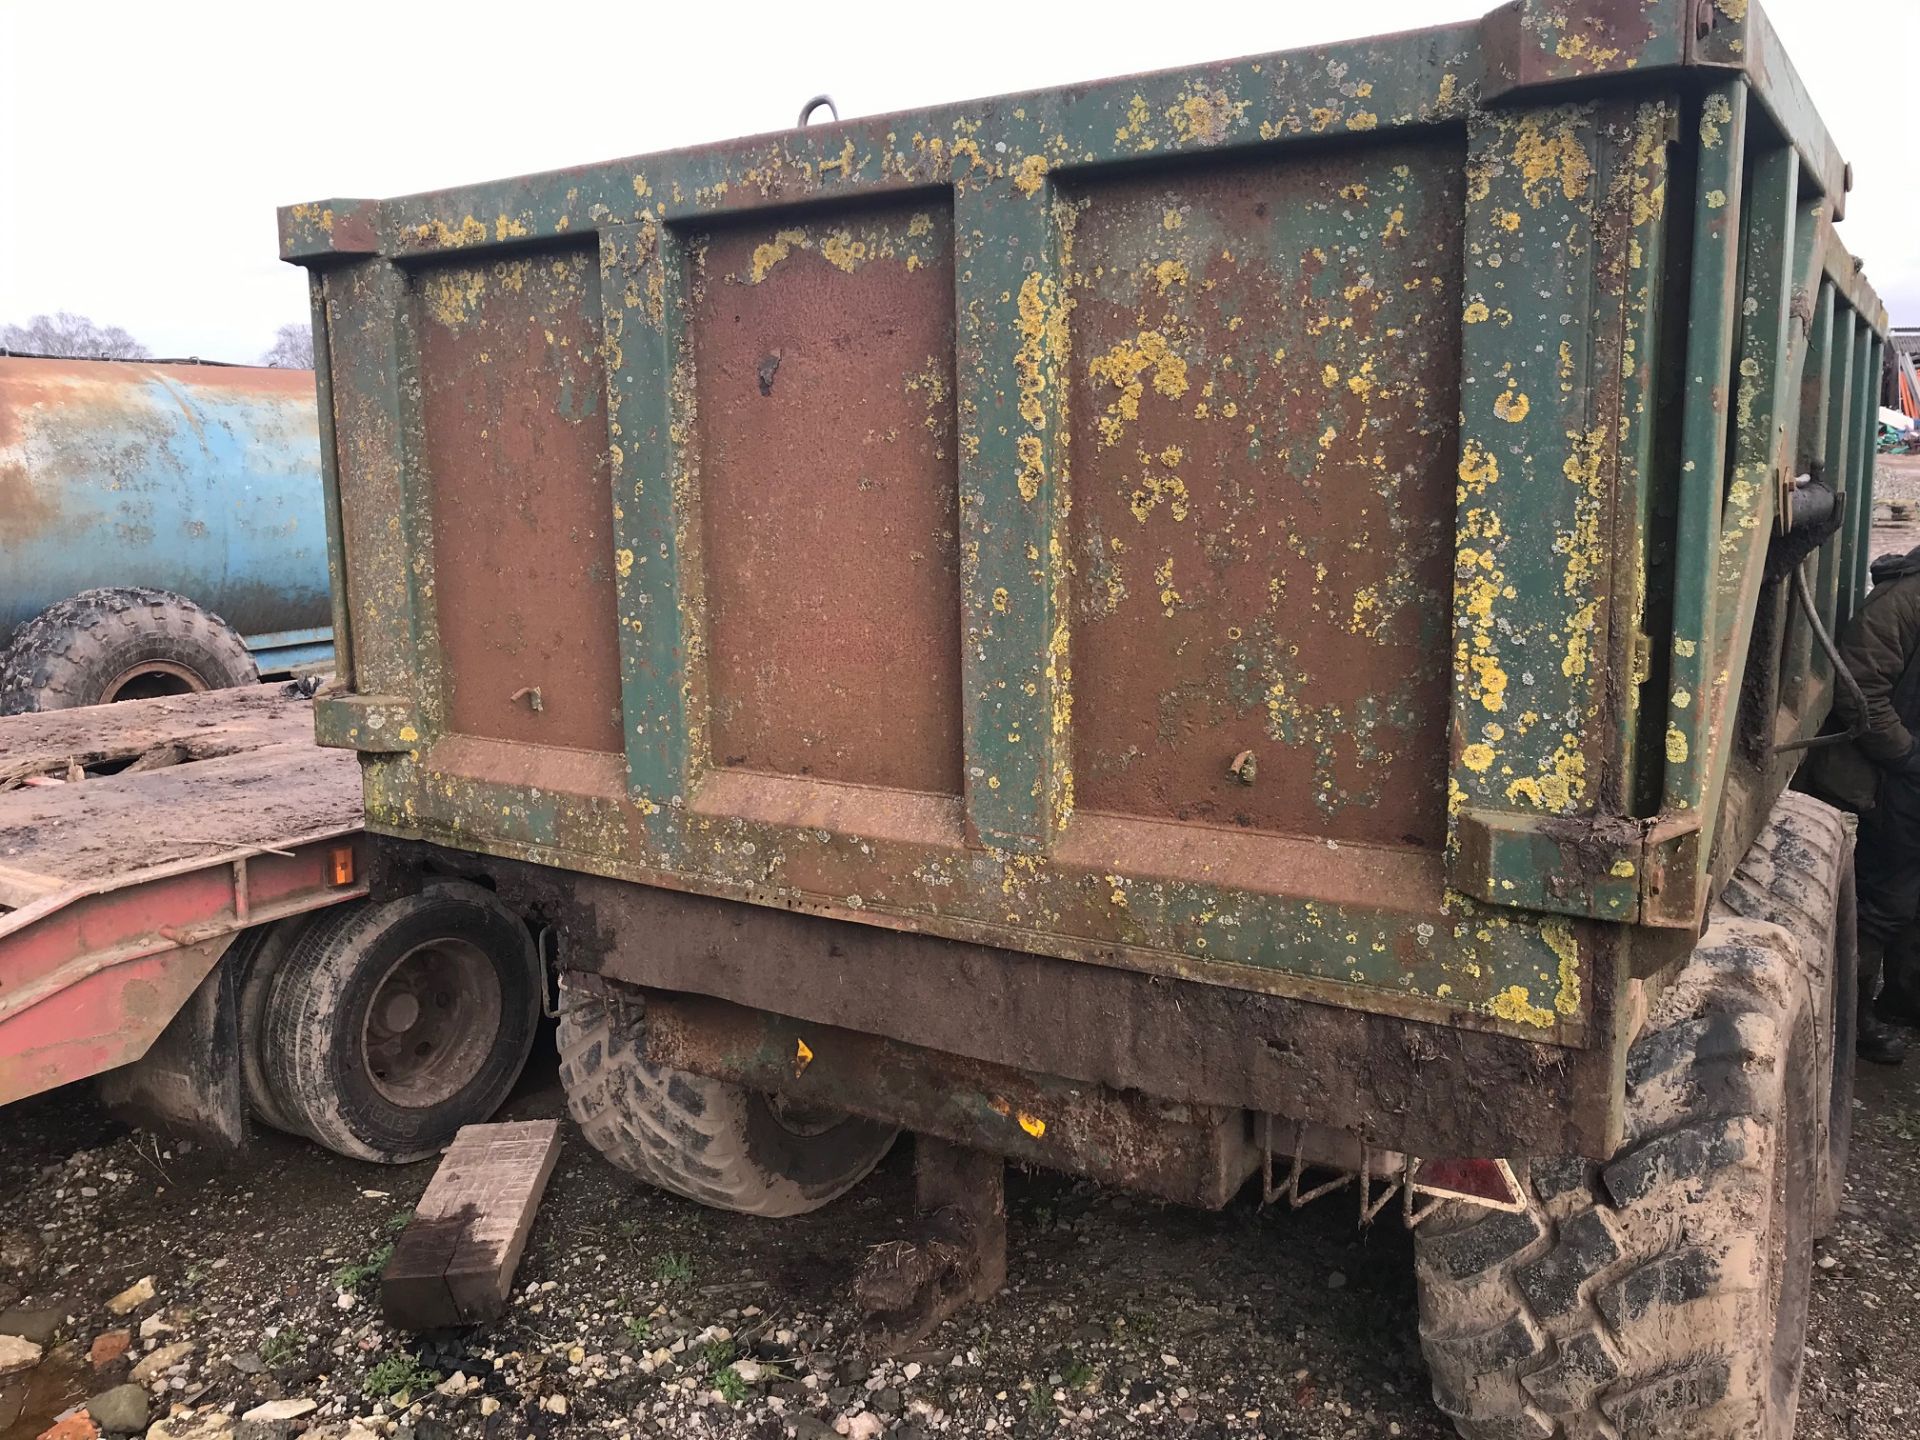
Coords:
pixel 144 147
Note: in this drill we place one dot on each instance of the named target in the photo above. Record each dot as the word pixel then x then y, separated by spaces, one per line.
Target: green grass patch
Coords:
pixel 401 1374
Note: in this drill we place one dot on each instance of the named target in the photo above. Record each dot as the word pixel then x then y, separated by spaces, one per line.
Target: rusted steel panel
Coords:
pixel 1265 397
pixel 1031 519
pixel 200 479
pixel 513 453
pixel 829 496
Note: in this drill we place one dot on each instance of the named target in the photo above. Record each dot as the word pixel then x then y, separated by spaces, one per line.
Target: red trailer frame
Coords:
pixel 136 842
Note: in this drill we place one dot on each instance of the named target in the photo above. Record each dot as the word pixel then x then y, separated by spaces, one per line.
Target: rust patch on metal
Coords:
pixel 829 496
pixel 1264 392
pixel 514 449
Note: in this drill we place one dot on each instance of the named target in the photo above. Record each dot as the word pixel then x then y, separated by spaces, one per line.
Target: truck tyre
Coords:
pixel 1663 1293
pixel 258 955
pixel 389 1026
pixel 720 1144
pixel 121 644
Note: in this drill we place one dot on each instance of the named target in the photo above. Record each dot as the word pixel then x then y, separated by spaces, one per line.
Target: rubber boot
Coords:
pixel 1875 1040
pixel 1880 1042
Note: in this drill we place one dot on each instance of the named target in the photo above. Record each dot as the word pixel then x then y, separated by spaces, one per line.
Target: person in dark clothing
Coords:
pixel 1876 774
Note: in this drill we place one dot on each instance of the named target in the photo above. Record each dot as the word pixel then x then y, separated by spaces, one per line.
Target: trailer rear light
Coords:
pixel 342 867
pixel 1481 1182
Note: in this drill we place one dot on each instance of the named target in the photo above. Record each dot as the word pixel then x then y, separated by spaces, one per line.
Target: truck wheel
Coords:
pixel 387 1027
pixel 1664 1292
pixel 121 644
pixel 710 1141
pixel 258 954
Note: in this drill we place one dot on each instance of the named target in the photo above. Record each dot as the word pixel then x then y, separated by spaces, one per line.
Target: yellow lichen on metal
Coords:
pixel 1561 783
pixel 1514 1004
pixel 1561 940
pixel 1549 152
pixel 451 294
pixel 1125 367
pixel 1205 116
pixel 470 231
pixel 1511 406
pixel 1676 744
pixel 1715 114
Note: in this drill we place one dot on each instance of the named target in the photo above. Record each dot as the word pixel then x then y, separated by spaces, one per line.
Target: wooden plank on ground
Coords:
pixel 454 1263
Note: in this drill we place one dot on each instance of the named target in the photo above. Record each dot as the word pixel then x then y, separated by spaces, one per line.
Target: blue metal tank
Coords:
pixel 199 479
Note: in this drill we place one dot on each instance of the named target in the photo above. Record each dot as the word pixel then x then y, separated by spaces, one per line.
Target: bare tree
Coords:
pixel 72 337
pixel 292 348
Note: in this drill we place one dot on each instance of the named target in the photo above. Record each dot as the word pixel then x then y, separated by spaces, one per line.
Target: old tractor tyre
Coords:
pixel 1799 874
pixel 1663 1293
pixel 389 1026
pixel 707 1140
pixel 120 644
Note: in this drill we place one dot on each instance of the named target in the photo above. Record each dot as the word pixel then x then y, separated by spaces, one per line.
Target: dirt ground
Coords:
pixel 1123 1316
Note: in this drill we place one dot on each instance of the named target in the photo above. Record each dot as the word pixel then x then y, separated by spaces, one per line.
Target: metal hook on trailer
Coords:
pixel 806 110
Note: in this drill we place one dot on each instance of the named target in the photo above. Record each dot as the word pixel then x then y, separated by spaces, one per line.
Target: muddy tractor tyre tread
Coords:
pixel 313 1049
pixel 1798 875
pixel 1642 1297
pixel 703 1139
pixel 70 652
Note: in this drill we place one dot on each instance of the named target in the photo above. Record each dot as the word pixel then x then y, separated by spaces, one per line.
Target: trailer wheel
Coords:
pixel 120 644
pixel 1663 1292
pixel 1799 874
pixel 389 1026
pixel 710 1141
pixel 259 954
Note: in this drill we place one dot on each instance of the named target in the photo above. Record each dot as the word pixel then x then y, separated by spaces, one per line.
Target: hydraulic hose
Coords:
pixel 1840 672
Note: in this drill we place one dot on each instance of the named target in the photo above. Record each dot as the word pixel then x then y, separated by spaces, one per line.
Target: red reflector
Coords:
pixel 1490 1181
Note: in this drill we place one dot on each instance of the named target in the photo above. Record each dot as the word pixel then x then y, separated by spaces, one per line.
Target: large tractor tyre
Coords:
pixel 1663 1293
pixel 710 1141
pixel 386 1027
pixel 1799 874
pixel 122 644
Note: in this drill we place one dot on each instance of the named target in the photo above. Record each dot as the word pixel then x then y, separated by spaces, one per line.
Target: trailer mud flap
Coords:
pixel 188 1082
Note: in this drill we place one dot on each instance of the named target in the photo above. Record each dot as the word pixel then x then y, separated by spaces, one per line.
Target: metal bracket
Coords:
pixel 1602 867
pixel 1372 1200
pixel 1381 1176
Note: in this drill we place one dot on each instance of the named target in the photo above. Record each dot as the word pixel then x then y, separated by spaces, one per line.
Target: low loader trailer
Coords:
pixel 184 915
pixel 1248 624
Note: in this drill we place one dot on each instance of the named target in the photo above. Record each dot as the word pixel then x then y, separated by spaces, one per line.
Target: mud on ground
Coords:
pixel 1122 1316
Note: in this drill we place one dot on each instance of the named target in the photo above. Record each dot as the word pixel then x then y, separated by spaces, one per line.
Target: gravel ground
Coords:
pixel 640 1314
pixel 1122 1316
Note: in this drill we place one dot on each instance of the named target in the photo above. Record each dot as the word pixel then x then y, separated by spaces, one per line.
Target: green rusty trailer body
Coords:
pixel 1241 583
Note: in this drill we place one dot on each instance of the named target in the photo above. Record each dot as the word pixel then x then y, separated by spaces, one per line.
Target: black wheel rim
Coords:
pixel 432 1022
